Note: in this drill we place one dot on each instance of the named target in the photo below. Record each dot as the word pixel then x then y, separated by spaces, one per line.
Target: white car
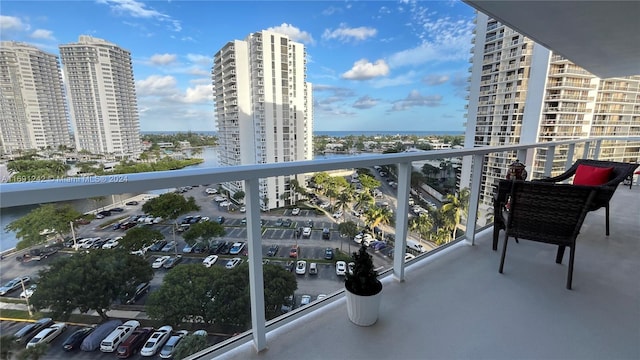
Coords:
pixel 112 243
pixel 321 296
pixel 366 238
pixel 225 203
pixel 341 268
pixel 47 335
pixel 305 300
pixel 204 219
pixel 219 198
pixel 301 267
pixel 295 211
pixel 28 291
pixel 243 209
pixel 306 232
pixel 210 260
pixel 408 257
pixel 337 214
pixel 155 342
pixel 211 191
pixel 236 248
pixel 350 267
pixel 157 264
pixel 233 263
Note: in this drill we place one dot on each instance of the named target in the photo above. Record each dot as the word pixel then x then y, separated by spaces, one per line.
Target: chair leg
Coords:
pixel 496 235
pixel 504 252
pixel 572 253
pixel 606 212
pixel 560 254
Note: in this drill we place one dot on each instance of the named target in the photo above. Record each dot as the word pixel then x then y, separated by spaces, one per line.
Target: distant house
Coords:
pixel 184 144
pixel 334 147
pixel 164 145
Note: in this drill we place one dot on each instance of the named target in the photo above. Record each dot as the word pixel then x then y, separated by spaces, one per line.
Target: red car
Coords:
pixel 294 251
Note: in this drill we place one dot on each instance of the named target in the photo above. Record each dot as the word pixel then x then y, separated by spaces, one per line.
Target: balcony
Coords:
pixel 448 303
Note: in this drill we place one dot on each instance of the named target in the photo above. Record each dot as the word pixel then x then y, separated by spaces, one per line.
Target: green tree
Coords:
pixel 368 182
pixel 140 237
pixel 378 215
pixel 364 200
pixel 191 344
pixel 47 216
pixel 170 205
pixel 238 196
pixel 34 353
pixel 7 346
pixel 344 201
pixel 348 229
pixel 422 224
pixel 89 281
pixel 216 295
pixel 455 207
pixel 203 231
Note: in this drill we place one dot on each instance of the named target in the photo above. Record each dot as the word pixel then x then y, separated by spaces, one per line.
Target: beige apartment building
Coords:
pixel 520 92
pixel 33 114
pixel 102 97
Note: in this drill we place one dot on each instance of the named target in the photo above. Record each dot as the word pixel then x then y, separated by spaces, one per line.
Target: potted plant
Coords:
pixel 364 290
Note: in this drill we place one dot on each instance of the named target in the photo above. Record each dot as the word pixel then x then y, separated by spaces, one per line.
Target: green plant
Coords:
pixel 364 279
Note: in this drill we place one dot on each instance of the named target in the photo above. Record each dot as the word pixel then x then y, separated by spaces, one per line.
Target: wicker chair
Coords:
pixel 621 171
pixel 545 212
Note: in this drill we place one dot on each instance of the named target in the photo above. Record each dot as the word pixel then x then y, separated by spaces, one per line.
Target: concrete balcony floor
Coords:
pixel 455 305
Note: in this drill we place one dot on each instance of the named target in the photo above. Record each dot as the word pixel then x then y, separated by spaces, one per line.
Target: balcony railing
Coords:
pixel 18 194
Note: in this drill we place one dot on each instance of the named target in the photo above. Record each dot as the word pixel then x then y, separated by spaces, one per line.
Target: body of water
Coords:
pixel 341 133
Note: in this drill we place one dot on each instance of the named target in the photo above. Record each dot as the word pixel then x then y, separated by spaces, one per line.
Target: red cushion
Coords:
pixel 591 175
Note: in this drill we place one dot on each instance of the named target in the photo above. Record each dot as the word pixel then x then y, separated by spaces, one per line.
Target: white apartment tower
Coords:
pixel 521 92
pixel 33 114
pixel 263 109
pixel 102 97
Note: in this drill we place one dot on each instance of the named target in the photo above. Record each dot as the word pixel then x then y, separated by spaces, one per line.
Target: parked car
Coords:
pixel 28 291
pixel 290 265
pixel 220 219
pixel 301 267
pixel 159 262
pixel 156 341
pixel 141 289
pixel 131 203
pixel 157 246
pixel 111 342
pixel 306 232
pixel 210 260
pixel 295 249
pixel 116 209
pixel 93 340
pixel 14 284
pixel 134 343
pixel 279 222
pixel 341 268
pixel 28 331
pixel 170 346
pixel 75 339
pixel 243 209
pixel 326 233
pixel 211 191
pixel 170 246
pixel 313 269
pixel 273 250
pixel 305 300
pixel 295 211
pixel 236 248
pixel 187 248
pixel 112 243
pixel 328 254
pixel 287 223
pixel 337 214
pixel 232 263
pixel 48 334
pixel 173 261
pixel 321 296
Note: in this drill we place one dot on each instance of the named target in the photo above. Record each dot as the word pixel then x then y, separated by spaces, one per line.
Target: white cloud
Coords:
pixel 199 94
pixel 404 79
pixel 156 85
pixel 346 34
pixel 42 34
pixel 163 59
pixel 364 70
pixel 196 71
pixel 416 99
pixel 12 23
pixel 435 79
pixel 138 9
pixel 200 59
pixel 365 102
pixel 294 33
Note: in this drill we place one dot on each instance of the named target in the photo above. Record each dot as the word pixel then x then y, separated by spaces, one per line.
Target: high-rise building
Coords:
pixel 263 109
pixel 521 92
pixel 102 97
pixel 32 106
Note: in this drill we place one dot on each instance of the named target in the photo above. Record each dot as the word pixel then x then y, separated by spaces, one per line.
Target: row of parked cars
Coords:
pixel 114 336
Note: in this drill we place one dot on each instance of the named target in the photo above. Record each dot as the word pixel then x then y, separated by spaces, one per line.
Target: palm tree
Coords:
pixel 422 224
pixel 456 206
pixel 378 216
pixel 344 200
pixel 364 200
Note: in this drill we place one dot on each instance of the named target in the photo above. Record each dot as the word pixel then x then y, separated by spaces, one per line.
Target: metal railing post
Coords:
pixel 548 160
pixel 474 198
pixel 570 151
pixel 596 151
pixel 256 280
pixel 402 211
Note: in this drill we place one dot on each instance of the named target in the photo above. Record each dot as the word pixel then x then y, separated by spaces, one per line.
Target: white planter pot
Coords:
pixel 363 310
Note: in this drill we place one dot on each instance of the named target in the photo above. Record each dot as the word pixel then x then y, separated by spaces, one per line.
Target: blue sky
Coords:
pixel 374 65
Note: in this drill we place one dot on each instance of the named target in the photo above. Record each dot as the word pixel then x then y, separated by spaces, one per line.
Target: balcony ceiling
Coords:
pixel 603 37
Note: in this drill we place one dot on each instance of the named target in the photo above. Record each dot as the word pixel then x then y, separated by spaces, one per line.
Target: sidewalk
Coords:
pixel 122 314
